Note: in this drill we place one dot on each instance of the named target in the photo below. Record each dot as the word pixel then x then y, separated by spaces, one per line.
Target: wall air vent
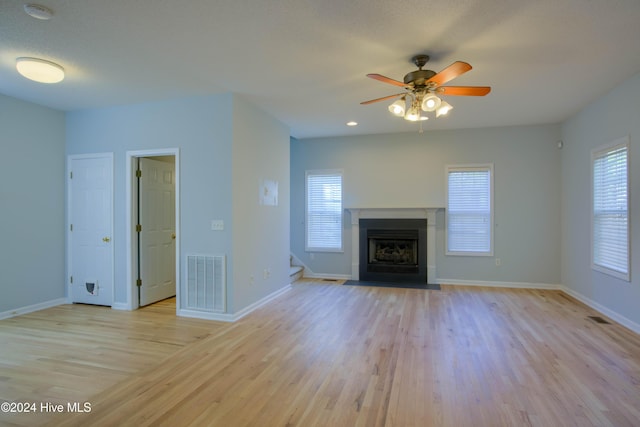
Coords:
pixel 206 283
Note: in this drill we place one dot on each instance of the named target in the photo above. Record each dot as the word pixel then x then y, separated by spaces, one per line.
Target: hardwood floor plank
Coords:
pixel 324 354
pixel 69 353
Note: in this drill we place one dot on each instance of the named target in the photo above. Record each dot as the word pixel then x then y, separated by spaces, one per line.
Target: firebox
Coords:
pixel 393 250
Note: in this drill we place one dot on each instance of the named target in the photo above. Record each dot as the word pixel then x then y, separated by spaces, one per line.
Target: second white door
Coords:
pixel 156 208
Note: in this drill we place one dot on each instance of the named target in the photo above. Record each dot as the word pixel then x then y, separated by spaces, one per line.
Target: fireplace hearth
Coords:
pixel 393 250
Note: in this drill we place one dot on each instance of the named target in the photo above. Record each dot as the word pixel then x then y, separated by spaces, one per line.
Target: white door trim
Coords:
pixel 70 159
pixel 131 241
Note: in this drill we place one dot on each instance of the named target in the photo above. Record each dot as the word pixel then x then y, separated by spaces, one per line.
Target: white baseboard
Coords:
pixel 232 317
pixel 121 306
pixel 309 274
pixel 327 276
pixel 240 314
pixel 518 285
pixel 602 309
pixel 32 308
pixel 220 317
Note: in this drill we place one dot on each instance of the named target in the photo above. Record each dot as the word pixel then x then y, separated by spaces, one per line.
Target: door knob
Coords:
pixel 106 239
pixel 173 236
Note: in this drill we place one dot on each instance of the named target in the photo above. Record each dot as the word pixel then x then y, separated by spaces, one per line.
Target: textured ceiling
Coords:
pixel 305 61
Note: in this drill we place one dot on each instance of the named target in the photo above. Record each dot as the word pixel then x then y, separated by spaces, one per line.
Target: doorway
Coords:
pixel 153 226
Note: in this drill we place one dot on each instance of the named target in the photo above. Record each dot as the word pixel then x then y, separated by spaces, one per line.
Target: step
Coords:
pixel 295 272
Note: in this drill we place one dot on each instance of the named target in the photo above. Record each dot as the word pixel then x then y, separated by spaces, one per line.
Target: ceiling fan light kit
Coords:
pixel 422 88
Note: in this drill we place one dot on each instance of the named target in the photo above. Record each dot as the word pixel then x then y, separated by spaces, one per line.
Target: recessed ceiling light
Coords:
pixel 40 70
pixel 352 123
pixel 38 11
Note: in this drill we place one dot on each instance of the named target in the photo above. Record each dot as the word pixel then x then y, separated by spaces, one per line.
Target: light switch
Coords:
pixel 217 224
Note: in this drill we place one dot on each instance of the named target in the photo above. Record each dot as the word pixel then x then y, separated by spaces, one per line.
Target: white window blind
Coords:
pixel 610 216
pixel 324 211
pixel 469 210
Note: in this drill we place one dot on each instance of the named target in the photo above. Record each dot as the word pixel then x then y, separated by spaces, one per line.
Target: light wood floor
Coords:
pixel 329 355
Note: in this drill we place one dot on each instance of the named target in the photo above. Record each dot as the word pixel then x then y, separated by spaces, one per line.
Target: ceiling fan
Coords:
pixel 423 87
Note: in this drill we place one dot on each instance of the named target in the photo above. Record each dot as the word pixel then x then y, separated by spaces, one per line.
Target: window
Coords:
pixel 610 209
pixel 469 210
pixel 324 211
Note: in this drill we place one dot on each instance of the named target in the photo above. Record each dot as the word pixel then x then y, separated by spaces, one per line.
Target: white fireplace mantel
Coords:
pixel 393 213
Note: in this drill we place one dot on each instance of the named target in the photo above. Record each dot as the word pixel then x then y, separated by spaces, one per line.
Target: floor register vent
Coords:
pixel 206 283
pixel 599 319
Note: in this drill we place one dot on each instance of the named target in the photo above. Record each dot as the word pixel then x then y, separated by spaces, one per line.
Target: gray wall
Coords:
pixel 32 223
pixel 205 130
pixel 260 232
pixel 408 170
pixel 613 116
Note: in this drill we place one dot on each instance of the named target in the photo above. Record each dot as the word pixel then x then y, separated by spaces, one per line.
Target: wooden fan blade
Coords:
pixel 450 73
pixel 384 79
pixel 381 99
pixel 464 90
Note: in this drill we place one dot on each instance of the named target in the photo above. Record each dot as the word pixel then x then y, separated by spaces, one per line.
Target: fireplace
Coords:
pixel 393 250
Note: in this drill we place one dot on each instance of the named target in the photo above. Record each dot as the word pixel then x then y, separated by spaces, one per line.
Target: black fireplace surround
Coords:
pixel 393 250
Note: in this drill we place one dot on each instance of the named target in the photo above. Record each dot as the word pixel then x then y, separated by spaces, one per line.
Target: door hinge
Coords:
pixel 71 175
pixel 138 173
pixel 138 228
pixel 70 227
pixel 71 279
pixel 139 282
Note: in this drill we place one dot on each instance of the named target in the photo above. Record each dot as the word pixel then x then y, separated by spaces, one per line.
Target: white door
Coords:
pixel 157 236
pixel 90 229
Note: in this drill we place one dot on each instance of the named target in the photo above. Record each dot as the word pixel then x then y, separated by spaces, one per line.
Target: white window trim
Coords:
pixel 306 213
pixel 595 153
pixel 470 167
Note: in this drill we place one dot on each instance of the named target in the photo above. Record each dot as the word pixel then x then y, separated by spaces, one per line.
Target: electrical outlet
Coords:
pixel 217 224
pixel 498 262
pixel 251 280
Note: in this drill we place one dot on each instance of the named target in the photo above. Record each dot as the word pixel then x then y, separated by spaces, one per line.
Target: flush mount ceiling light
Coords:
pixel 38 11
pixel 40 70
pixel 423 89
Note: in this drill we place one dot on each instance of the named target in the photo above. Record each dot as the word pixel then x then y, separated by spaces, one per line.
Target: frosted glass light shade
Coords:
pixel 397 108
pixel 443 109
pixel 413 115
pixel 40 70
pixel 430 103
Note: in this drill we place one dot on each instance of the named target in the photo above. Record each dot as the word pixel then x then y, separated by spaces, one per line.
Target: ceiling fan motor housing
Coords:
pixel 418 77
